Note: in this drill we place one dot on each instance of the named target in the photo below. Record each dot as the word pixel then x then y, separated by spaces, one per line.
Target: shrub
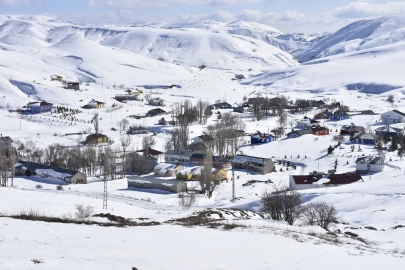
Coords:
pixel 161 59
pixel 59 187
pixel 282 204
pixel 320 213
pixel 187 200
pixel 38 186
pixel 83 212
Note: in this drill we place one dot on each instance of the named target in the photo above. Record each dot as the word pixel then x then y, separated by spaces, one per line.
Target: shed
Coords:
pixel 262 165
pixel 46 171
pixel 174 186
pixel 365 138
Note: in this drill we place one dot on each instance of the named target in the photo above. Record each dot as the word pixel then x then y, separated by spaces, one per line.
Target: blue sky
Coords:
pixel 286 15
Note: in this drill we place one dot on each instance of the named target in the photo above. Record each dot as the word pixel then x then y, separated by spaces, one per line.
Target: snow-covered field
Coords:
pixel 359 65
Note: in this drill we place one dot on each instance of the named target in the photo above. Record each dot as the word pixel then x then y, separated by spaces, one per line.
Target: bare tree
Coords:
pixel 282 204
pixel 282 119
pixel 123 124
pixel 126 142
pixel 12 159
pixel 320 213
pixel 3 165
pixel 95 122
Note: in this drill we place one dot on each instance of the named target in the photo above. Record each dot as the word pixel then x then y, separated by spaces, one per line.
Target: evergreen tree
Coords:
pixel 330 150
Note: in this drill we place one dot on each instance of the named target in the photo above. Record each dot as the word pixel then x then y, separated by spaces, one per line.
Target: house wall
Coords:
pixel 364 141
pixel 373 167
pixel 79 178
pixel 269 167
pixel 392 117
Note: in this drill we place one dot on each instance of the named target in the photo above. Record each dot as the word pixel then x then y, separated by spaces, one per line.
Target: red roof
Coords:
pixel 44 103
pixel 340 179
pixel 306 179
pixel 152 152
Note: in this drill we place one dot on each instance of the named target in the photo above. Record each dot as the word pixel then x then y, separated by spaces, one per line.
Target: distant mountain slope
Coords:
pixel 357 36
pixel 184 46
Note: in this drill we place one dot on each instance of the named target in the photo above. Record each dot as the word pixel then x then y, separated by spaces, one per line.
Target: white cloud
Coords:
pixel 292 15
pixel 364 9
pixel 14 2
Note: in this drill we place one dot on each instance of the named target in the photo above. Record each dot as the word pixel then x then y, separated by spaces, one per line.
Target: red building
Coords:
pixel 319 131
pixel 321 116
pixel 348 129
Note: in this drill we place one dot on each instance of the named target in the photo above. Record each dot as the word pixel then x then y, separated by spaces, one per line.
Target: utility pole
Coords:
pixel 105 187
pixel 233 184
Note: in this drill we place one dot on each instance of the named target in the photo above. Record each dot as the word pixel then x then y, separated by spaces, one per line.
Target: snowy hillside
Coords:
pixel 361 35
pixel 360 66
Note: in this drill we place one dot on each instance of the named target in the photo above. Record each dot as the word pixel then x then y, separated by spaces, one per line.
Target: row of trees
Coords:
pixel 7 161
pixel 285 205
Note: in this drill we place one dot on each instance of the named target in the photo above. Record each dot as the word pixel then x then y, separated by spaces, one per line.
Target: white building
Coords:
pixel 370 163
pixel 392 117
pixel 128 97
pixel 321 180
pixel 157 101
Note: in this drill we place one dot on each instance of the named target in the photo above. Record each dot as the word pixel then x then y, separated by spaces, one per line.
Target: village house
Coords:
pixel 262 138
pixel 39 107
pixel 374 163
pixel 157 102
pixel 320 104
pixel 320 180
pixel 196 147
pixel 134 92
pixel 299 132
pixel 258 164
pixel 367 112
pixel 93 104
pixel 393 117
pixel 324 115
pixel 338 116
pixel 217 174
pixel 156 112
pixel 6 140
pixel 167 170
pixel 387 130
pixel 137 130
pixel 217 162
pixel 173 156
pixel 128 97
pixel 348 129
pixel 222 105
pixel 365 138
pixel 152 152
pixel 205 138
pixel 46 171
pixel 73 85
pixel 56 78
pixel 173 186
pixel 96 138
pixel 141 163
pixel 320 131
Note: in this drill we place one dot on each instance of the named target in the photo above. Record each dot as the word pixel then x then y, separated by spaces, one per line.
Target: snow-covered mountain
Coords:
pixel 360 35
